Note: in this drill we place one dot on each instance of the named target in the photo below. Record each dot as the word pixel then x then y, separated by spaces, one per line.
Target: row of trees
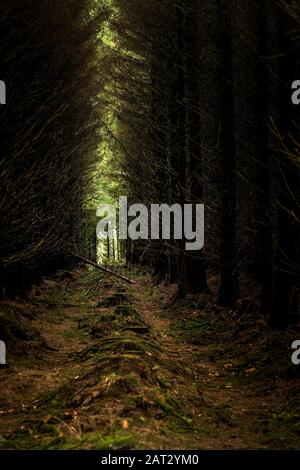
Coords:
pixel 48 131
pixel 193 99
pixel 202 96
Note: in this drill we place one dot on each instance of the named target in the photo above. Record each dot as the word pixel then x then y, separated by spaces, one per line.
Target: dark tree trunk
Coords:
pixel 263 209
pixel 287 254
pixel 182 138
pixel 196 273
pixel 227 250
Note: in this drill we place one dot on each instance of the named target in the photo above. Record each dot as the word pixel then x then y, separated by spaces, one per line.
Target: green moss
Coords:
pixel 108 347
pixel 199 330
pixel 176 412
pixel 283 429
pixel 99 441
pixel 76 333
pixel 128 311
pixel 45 436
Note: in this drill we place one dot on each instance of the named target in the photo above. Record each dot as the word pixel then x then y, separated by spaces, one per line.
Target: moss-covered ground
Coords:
pixel 95 363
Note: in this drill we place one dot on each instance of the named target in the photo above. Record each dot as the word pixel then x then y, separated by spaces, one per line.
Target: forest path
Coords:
pixel 104 364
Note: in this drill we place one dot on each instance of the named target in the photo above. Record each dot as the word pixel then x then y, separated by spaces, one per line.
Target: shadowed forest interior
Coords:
pixel 164 102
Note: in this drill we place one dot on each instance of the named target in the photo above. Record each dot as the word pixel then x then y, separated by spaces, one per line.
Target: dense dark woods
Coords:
pixel 149 341
pixel 200 93
pixel 48 132
pixel 218 128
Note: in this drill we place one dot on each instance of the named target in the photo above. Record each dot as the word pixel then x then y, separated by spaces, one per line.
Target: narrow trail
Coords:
pixel 107 365
pixel 152 310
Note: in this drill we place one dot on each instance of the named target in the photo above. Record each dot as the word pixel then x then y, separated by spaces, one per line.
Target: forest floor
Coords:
pixel 95 363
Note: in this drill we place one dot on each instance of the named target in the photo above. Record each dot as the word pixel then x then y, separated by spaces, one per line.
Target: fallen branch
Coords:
pixel 101 268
